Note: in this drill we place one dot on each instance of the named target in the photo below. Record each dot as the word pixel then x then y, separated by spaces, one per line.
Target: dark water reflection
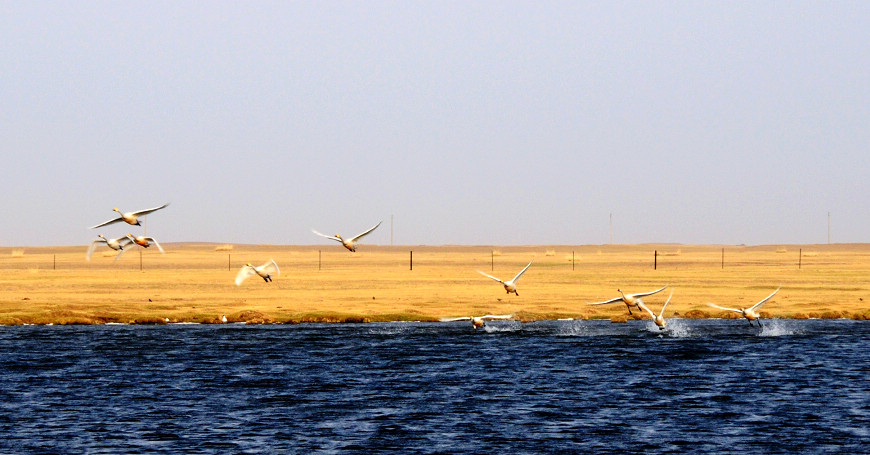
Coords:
pixel 550 387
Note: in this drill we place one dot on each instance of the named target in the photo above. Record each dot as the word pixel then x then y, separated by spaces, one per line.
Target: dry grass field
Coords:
pixel 194 282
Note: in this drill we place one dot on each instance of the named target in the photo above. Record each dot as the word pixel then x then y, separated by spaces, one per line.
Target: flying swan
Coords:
pixel 510 285
pixel 658 319
pixel 751 313
pixel 131 218
pixel 264 271
pixel 350 244
pixel 630 300
pixel 116 244
pixel 478 321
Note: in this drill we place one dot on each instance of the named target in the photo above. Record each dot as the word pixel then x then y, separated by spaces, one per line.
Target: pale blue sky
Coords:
pixel 470 122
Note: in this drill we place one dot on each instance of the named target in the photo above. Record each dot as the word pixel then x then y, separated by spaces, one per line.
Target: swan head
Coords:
pixel 248 265
pixel 101 236
pixel 338 236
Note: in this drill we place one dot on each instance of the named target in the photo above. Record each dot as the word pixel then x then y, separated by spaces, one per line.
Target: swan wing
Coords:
pixel 666 303
pixel 270 268
pixel 645 308
pixel 331 237
pixel 94 247
pixel 759 304
pixel 359 236
pixel 613 300
pixel 463 318
pixel 723 308
pixel 497 316
pixel 114 220
pixel 644 294
pixel 147 211
pixel 152 240
pixel 118 256
pixel 243 274
pixel 522 272
pixel 490 277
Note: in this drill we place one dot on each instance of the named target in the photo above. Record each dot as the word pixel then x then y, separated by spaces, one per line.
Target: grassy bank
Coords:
pixel 194 282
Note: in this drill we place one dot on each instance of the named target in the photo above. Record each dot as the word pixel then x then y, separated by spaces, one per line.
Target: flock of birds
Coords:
pixel 267 270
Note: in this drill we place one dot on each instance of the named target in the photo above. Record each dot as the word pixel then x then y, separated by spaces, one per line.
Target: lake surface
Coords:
pixel 549 387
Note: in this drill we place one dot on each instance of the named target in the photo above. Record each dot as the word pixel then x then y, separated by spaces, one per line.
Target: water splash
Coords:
pixel 513 326
pixel 678 328
pixel 777 328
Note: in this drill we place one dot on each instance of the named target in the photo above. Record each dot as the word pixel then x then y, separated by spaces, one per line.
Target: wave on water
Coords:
pixel 391 329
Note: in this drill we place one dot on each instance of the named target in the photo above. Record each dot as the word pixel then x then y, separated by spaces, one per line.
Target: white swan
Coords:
pixel 510 285
pixel 131 218
pixel 630 300
pixel 145 242
pixel 116 244
pixel 658 319
pixel 350 244
pixel 478 321
pixel 264 271
pixel 751 313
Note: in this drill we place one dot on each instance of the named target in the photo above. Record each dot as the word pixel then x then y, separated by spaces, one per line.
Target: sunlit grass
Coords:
pixel 194 283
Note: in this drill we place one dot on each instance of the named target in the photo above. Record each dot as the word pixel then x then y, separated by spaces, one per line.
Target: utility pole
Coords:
pixel 829 228
pixel 391 230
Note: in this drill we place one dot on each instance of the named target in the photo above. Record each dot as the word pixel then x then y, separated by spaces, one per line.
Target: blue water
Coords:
pixel 550 387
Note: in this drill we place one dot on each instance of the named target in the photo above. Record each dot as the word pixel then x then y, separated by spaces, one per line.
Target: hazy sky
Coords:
pixel 469 122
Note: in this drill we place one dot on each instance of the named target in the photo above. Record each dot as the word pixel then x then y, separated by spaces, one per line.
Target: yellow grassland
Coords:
pixel 194 282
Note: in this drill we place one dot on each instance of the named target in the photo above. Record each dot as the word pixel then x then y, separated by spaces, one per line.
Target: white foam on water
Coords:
pixel 777 328
pixel 511 327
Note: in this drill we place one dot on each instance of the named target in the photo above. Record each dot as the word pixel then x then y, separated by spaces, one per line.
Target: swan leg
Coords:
pixel 759 322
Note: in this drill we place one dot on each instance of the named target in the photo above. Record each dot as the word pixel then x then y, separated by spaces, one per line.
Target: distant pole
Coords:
pixel 319 256
pixel 140 259
pixel 412 259
pixel 54 263
pixel 656 260
pixel 228 262
pixel 491 260
pixel 800 257
pixel 829 228
pixel 572 259
pixel 391 230
pixel 723 258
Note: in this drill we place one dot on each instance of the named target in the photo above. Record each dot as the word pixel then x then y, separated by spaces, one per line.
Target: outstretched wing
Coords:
pixel 270 268
pixel 327 236
pixel 644 294
pixel 613 300
pixel 723 308
pixel 147 211
pixel 118 256
pixel 497 316
pixel 522 272
pixel 115 220
pixel 359 236
pixel 464 318
pixel 155 243
pixel 645 308
pixel 93 247
pixel 491 277
pixel 243 274
pixel 759 304
pixel 666 303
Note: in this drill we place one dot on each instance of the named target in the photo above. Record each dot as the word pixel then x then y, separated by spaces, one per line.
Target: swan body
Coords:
pixel 350 243
pixel 264 271
pixel 659 319
pixel 116 244
pixel 751 313
pixel 511 285
pixel 478 321
pixel 145 242
pixel 630 300
pixel 131 218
